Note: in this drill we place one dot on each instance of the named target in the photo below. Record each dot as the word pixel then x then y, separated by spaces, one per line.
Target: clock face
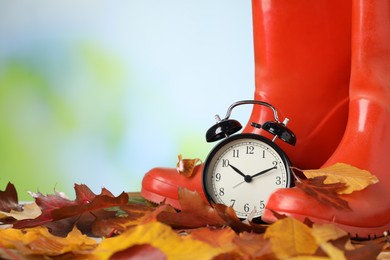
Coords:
pixel 243 170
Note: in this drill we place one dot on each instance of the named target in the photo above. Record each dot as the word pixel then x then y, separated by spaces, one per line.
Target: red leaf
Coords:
pixel 134 215
pixel 60 213
pixel 196 213
pixel 9 199
pixel 324 193
pixel 142 251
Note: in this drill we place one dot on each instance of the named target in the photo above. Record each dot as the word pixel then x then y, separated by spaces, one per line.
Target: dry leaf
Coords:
pixel 39 240
pixel 324 193
pixel 60 214
pixel 186 166
pixel 290 238
pixel 194 213
pixel 214 236
pixel 9 199
pixel 30 210
pixel 134 214
pixel 229 216
pixel 332 251
pixel 143 251
pixel 327 232
pixel 254 246
pixel 159 236
pixel 355 178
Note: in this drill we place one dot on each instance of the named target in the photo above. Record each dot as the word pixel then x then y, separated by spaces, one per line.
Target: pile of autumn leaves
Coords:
pixel 107 227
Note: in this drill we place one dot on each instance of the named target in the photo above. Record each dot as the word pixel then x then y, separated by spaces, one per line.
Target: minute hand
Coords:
pixel 262 172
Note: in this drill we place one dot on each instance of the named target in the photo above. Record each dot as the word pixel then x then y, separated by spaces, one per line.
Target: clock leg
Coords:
pixel 366 141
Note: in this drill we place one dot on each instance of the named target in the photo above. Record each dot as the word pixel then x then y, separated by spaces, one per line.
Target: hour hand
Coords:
pixel 237 170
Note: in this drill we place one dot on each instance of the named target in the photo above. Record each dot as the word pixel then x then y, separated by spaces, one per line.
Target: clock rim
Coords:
pixel 281 153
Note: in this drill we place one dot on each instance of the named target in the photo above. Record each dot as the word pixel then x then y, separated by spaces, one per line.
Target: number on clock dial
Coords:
pixel 246 158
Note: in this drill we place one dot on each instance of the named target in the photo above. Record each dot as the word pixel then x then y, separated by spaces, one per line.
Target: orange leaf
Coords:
pixel 354 178
pixel 159 236
pixel 194 213
pixel 186 166
pixel 38 240
pixel 254 245
pixel 135 214
pixel 215 237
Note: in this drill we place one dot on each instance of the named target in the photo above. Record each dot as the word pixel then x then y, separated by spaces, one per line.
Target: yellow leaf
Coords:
pixel 326 232
pixel 161 237
pixel 332 251
pixel 355 178
pixel 310 257
pixel 7 236
pixel 290 238
pixel 39 240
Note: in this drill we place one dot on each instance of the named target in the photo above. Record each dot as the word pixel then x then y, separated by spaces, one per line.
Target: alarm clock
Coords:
pixel 244 169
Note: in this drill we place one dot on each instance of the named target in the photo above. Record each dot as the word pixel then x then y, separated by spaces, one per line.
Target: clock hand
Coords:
pixel 249 178
pixel 238 184
pixel 237 170
pixel 262 172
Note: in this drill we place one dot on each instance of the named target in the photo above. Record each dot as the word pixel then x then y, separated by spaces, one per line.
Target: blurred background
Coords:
pixel 99 92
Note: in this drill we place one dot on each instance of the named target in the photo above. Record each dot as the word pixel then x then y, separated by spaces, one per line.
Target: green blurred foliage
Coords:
pixel 39 119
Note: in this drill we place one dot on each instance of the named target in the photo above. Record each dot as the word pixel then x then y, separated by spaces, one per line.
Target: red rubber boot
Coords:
pixel 366 142
pixel 302 59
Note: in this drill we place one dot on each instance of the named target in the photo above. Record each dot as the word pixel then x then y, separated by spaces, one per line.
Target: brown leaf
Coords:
pixel 186 166
pixel 354 178
pixel 254 246
pixel 9 199
pixel 134 214
pixel 217 237
pixel 60 213
pixel 324 193
pixel 194 213
pixel 229 216
pixel 369 251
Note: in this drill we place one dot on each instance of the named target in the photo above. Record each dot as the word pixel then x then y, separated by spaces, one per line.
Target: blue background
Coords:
pixel 99 92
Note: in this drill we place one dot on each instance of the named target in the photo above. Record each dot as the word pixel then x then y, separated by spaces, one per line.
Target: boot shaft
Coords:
pixel 371 51
pixel 302 56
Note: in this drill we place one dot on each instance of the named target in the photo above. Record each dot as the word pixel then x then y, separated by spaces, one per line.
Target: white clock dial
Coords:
pixel 243 172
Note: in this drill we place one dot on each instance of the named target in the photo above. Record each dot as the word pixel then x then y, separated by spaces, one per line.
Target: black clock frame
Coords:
pixel 224 142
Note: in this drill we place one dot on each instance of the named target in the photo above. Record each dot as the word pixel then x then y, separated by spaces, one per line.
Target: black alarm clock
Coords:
pixel 244 169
